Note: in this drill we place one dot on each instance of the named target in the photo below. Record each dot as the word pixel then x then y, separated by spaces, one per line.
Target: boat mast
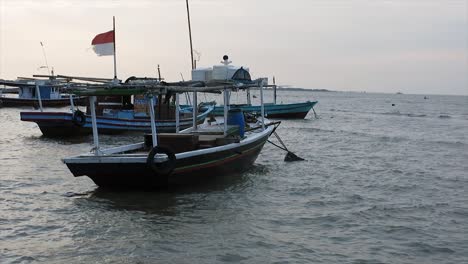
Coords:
pixel 194 110
pixel 190 35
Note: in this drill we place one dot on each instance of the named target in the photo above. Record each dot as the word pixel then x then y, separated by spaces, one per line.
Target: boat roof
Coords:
pixel 149 86
pixel 157 88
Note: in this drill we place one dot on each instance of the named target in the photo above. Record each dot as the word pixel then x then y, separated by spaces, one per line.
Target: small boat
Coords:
pixel 225 71
pixel 191 155
pixel 37 93
pixel 272 110
pixel 116 114
pixel 63 124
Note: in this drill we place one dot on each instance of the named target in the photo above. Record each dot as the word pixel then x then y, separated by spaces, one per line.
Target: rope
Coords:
pixel 281 141
pixel 277 145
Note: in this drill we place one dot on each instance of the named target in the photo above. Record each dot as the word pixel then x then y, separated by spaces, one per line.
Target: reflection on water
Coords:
pixel 164 200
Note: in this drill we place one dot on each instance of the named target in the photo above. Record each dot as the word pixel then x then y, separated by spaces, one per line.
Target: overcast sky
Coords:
pixel 409 46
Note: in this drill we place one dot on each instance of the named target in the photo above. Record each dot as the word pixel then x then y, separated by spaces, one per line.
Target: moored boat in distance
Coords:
pixel 226 71
pixel 282 111
pixel 37 93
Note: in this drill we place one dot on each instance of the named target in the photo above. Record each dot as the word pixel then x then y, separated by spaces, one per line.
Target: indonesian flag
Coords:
pixel 103 44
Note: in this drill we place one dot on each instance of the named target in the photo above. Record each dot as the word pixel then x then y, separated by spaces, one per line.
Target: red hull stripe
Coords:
pixel 102 38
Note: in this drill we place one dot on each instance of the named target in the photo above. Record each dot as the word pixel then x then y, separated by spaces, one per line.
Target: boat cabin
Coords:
pixel 134 107
pixel 45 91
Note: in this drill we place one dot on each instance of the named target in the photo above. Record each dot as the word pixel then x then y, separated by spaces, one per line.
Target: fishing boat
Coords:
pixel 112 118
pixel 226 71
pixel 63 124
pixel 36 93
pixel 273 110
pixel 211 149
pixel 116 114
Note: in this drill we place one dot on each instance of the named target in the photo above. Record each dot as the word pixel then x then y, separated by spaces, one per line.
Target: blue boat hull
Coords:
pixel 296 111
pixel 60 124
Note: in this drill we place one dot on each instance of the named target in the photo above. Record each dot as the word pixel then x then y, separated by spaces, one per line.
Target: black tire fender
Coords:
pixel 163 168
pixel 79 118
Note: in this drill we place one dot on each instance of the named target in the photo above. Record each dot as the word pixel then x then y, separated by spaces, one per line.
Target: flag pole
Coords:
pixel 115 57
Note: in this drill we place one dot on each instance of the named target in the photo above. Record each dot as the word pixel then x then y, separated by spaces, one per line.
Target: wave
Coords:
pixel 398 113
pixel 386 138
pixel 426 248
pixel 393 113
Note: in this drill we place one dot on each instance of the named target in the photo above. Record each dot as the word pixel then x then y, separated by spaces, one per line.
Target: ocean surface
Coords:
pixel 385 181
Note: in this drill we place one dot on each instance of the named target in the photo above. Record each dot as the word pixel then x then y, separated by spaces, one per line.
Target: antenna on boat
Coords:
pixel 45 58
pixel 198 55
pixel 274 90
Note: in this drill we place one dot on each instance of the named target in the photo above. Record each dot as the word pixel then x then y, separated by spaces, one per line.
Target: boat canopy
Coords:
pixel 152 88
pixel 242 75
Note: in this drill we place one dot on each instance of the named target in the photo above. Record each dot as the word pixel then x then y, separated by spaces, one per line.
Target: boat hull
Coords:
pixel 18 102
pixel 187 170
pixel 60 124
pixel 283 111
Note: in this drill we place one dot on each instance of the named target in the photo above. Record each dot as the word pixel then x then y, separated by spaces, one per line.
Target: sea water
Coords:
pixel 385 181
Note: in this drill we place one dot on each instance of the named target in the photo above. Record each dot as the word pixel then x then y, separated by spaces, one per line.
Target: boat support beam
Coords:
pixel 262 106
pixel 92 104
pixel 177 113
pixel 39 99
pixel 154 134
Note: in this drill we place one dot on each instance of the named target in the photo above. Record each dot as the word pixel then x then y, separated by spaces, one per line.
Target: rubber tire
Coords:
pixel 164 168
pixel 79 118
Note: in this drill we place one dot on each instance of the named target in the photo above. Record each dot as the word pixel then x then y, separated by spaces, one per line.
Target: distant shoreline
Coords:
pixel 293 89
pixel 296 89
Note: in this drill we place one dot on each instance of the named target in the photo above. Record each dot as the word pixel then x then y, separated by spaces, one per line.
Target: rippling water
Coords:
pixel 381 184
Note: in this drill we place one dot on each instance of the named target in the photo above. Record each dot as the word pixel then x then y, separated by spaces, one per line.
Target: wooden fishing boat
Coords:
pixel 211 149
pixel 225 71
pixel 272 110
pixel 109 121
pixel 37 94
pixel 116 113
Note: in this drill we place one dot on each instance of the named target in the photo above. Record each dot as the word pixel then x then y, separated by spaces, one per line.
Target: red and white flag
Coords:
pixel 103 44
